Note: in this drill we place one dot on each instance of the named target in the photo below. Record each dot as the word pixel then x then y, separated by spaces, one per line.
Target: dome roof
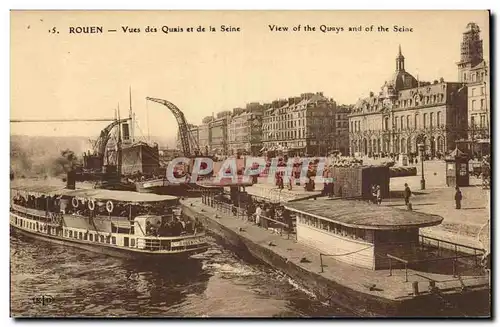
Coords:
pixel 401 80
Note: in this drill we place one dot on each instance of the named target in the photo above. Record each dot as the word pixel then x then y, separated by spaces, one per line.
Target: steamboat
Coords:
pixel 113 216
pixel 118 223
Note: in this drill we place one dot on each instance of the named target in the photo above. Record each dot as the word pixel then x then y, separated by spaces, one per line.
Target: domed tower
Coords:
pixel 400 80
pixel 471 51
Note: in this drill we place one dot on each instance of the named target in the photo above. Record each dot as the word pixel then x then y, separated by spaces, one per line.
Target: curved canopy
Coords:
pixel 39 189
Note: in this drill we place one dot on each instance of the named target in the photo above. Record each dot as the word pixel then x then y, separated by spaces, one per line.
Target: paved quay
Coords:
pixel 468 226
pixel 350 281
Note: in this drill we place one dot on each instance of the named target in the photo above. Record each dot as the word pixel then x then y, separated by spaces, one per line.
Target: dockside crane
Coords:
pixel 185 135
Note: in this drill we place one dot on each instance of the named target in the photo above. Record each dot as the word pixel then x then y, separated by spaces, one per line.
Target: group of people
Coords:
pixel 268 210
pixel 174 227
pixel 45 203
pixel 376 193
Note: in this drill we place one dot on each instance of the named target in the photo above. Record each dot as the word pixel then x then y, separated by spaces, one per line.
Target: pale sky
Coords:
pixel 86 75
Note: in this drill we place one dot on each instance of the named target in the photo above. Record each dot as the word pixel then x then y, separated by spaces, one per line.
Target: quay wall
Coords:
pixel 325 289
pixel 337 295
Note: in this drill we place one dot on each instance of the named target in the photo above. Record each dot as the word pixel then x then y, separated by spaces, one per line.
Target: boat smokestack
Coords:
pixel 71 180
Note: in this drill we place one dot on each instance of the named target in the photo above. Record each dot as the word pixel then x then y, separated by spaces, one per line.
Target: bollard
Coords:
pixel 415 288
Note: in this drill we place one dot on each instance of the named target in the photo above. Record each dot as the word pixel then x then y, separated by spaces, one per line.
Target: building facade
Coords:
pixel 406 113
pixel 245 130
pixel 218 133
pixel 204 135
pixel 341 140
pixel 300 125
pixel 474 71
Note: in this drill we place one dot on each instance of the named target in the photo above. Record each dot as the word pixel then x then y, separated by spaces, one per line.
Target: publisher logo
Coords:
pixel 43 300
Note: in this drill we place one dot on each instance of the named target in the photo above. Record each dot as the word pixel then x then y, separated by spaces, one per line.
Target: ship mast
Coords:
pixel 131 116
pixel 119 148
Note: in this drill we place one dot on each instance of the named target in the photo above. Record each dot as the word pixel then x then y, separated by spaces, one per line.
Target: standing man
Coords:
pixel 407 194
pixel 258 212
pixel 458 198
pixel 379 195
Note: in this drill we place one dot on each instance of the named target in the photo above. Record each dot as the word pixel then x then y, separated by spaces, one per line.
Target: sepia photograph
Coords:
pixel 250 164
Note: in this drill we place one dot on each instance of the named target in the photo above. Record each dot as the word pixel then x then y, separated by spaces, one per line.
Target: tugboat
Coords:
pixel 118 223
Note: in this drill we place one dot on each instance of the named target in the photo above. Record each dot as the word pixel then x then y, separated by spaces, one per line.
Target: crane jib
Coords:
pixel 184 133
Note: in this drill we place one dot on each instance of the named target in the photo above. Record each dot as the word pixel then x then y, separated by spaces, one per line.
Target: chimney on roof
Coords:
pixel 290 101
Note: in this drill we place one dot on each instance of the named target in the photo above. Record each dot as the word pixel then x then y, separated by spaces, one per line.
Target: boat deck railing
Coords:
pixel 280 227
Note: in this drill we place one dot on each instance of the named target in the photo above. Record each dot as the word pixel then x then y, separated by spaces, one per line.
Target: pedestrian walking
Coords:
pixel 458 198
pixel 379 195
pixel 407 194
pixel 374 194
pixel 258 212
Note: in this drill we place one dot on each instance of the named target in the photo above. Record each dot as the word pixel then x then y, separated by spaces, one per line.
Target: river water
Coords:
pixel 213 284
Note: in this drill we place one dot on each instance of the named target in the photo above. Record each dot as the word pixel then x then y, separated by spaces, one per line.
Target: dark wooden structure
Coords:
pixel 457 169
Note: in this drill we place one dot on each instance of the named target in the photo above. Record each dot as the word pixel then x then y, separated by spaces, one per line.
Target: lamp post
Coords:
pixel 421 148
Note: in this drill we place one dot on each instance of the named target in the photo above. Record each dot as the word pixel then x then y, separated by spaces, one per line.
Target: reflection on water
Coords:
pixel 212 284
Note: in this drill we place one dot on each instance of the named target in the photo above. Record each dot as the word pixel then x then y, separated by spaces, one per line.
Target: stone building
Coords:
pixel 245 130
pixel 474 71
pixel 341 140
pixel 204 136
pixel 300 125
pixel 407 112
pixel 218 133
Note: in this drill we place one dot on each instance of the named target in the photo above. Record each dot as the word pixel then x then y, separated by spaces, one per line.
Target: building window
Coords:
pixel 416 120
pixel 113 240
pixel 386 123
pixel 425 120
pixel 483 121
pixel 473 90
pixel 438 118
pixel 402 123
pixel 481 104
pixel 473 121
pixel 431 118
pixel 91 237
pixel 408 124
pixel 473 104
